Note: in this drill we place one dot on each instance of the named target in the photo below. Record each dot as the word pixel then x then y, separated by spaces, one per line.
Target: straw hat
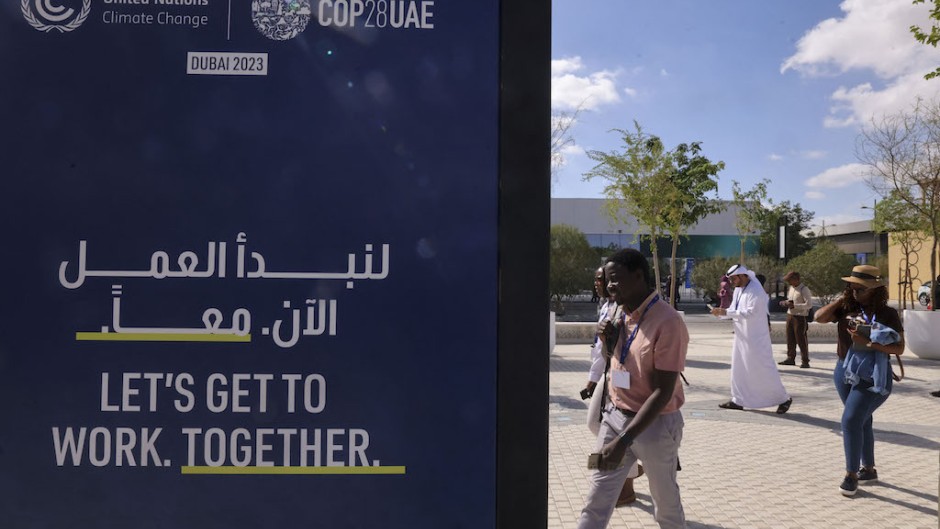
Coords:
pixel 865 275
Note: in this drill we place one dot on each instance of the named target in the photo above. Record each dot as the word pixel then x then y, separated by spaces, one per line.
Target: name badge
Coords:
pixel 621 379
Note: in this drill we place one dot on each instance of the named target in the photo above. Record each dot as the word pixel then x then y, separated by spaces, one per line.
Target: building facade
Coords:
pixel 715 235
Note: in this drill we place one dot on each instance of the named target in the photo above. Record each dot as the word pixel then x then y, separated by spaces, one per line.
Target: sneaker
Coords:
pixel 787 362
pixel 849 486
pixel 867 476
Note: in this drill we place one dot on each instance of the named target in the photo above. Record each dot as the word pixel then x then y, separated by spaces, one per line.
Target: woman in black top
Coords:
pixel 862 375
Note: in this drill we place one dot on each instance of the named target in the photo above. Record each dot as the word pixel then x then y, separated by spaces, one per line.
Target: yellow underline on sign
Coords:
pixel 229 470
pixel 158 337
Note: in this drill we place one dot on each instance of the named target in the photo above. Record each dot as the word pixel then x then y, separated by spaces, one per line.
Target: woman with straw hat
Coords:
pixel 869 333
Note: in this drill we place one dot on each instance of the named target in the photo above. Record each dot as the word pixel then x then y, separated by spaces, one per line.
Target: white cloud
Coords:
pixel 812 155
pixel 572 89
pixel 842 176
pixel 572 150
pixel 815 195
pixel 663 73
pixel 872 36
pixel 632 92
pixel 774 157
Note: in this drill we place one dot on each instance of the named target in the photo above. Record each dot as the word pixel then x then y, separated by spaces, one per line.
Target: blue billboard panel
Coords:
pixel 250 263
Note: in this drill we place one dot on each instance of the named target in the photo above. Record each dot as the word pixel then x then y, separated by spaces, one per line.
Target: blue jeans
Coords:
pixel 858 436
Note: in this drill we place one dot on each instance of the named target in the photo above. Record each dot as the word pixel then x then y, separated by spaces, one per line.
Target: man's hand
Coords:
pixel 718 311
pixel 613 453
pixel 590 387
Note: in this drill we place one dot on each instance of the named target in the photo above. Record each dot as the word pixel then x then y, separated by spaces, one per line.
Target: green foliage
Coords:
pixel 932 37
pixel 750 209
pixel 572 263
pixel 665 191
pixel 822 269
pixel 894 215
pixel 796 219
pixel 706 275
pixel 771 268
pixel 759 216
pixel 637 181
pixel 694 181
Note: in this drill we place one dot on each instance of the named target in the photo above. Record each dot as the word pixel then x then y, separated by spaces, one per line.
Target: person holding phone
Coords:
pixel 869 332
pixel 798 304
pixel 599 365
pixel 643 420
pixel 755 380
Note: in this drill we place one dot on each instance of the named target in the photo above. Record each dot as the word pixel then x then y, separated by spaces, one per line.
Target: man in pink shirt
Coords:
pixel 649 344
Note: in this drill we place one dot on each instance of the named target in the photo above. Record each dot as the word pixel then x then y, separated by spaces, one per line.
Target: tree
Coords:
pixel 636 179
pixel 706 275
pixel 572 263
pixel 902 151
pixel 797 221
pixel 693 178
pixel 665 191
pixel 822 269
pixel 561 137
pixel 750 206
pixel 892 215
pixel 931 38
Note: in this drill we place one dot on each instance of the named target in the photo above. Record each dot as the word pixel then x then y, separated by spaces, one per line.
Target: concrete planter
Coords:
pixel 922 333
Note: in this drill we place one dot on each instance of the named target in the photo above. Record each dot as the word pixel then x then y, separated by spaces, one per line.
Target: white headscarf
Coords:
pixel 740 269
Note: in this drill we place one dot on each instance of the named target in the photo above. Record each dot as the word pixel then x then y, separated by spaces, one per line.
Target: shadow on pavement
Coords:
pixel 911 506
pixel 704 364
pixel 567 402
pixel 923 495
pixel 881 436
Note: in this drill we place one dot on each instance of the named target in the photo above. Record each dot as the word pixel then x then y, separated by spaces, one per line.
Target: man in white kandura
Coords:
pixel 755 381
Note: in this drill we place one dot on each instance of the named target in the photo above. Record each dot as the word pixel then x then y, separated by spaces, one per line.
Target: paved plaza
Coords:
pixel 754 468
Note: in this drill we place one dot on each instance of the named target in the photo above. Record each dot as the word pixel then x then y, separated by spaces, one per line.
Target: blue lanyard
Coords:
pixel 625 350
pixel 868 320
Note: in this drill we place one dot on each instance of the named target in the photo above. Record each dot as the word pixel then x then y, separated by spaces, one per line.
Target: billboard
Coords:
pixel 250 265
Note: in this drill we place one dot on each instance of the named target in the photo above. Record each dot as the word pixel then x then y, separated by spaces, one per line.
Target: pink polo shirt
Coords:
pixel 661 342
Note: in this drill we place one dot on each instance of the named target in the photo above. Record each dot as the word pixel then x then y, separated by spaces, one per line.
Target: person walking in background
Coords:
pixel 599 366
pixel 755 381
pixel 870 331
pixel 644 419
pixel 605 310
pixel 798 303
pixel 725 290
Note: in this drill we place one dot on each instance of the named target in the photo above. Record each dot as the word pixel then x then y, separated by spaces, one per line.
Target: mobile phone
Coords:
pixel 863 330
pixel 595 461
pixel 586 393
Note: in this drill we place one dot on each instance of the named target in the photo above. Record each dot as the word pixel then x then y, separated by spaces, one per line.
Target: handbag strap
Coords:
pixel 900 377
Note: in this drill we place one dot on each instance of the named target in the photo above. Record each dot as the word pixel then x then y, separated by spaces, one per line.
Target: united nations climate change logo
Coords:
pixel 45 16
pixel 280 19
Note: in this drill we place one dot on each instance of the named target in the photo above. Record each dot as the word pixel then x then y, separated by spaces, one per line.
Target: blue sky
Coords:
pixel 776 89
